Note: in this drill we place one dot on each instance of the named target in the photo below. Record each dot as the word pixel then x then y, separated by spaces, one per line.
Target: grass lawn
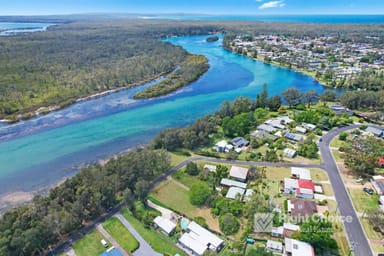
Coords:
pixel 362 201
pixel 327 189
pixel 337 155
pixel 177 158
pixel 171 194
pixel 336 143
pixel 117 230
pixel 177 198
pixel 342 242
pixel 184 177
pixel 90 244
pixel 279 173
pixel 371 234
pixel 157 242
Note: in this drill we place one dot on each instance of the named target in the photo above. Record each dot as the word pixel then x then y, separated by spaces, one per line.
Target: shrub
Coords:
pixel 229 224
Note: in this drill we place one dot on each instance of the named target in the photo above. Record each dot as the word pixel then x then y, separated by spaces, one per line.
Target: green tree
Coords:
pixel 310 97
pixel 229 224
pixel 292 96
pixel 274 103
pixel 362 153
pixel 343 136
pixel 319 233
pixel 308 148
pixel 192 169
pixel 199 193
pixel 328 95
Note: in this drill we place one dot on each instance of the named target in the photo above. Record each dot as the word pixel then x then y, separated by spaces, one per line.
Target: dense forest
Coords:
pixel 190 70
pixel 31 228
pixel 79 59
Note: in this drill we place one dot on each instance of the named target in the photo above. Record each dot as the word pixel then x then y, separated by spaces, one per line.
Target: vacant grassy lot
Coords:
pixel 371 234
pixel 184 177
pixel 279 173
pixel 117 230
pixel 362 201
pixel 157 242
pixel 90 244
pixel 177 198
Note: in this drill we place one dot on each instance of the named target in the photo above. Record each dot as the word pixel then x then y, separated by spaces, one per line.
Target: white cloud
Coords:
pixel 259 0
pixel 272 4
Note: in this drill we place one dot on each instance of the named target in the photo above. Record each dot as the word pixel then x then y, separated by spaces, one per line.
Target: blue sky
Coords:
pixel 254 7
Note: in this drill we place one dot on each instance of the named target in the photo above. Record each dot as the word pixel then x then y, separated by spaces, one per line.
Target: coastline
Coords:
pixel 43 110
pixel 276 64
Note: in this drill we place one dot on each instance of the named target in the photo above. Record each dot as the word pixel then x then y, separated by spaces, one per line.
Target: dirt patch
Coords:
pixel 213 223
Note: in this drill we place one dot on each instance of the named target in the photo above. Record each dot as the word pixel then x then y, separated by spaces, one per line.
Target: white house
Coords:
pixel 165 225
pixel 301 173
pixel 223 146
pixel 198 239
pixel 274 247
pixel 295 247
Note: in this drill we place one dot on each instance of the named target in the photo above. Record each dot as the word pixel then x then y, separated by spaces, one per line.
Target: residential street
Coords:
pixel 356 236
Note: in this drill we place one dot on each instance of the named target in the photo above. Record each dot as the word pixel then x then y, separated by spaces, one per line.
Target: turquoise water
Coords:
pixel 38 152
pixel 279 18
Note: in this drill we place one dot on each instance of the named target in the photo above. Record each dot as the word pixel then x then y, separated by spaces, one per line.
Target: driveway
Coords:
pixel 144 249
pixel 115 244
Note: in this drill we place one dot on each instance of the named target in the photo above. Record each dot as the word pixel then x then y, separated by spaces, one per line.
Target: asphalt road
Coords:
pixel 356 236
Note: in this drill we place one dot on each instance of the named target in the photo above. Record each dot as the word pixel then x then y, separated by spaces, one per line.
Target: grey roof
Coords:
pixel 263 135
pixel 267 128
pixel 240 142
pixel 380 184
pixel 233 192
pixel 375 131
pixel 233 183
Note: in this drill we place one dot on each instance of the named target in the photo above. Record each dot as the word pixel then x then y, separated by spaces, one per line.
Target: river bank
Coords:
pixel 43 110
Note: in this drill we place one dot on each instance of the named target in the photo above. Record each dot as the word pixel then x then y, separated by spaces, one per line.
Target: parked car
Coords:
pixel 104 243
pixel 359 180
pixel 368 191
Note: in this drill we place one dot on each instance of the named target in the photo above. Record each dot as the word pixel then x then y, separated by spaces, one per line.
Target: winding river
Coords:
pixel 42 151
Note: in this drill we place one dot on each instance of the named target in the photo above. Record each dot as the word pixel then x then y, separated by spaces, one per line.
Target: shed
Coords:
pixel 291 153
pixel 232 183
pixel 301 129
pixel 211 168
pixel 238 173
pixel 235 192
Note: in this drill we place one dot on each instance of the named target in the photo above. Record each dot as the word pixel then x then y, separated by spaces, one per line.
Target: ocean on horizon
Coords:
pixel 356 19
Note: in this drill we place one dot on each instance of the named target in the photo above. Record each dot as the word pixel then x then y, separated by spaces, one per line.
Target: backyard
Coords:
pixel 90 244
